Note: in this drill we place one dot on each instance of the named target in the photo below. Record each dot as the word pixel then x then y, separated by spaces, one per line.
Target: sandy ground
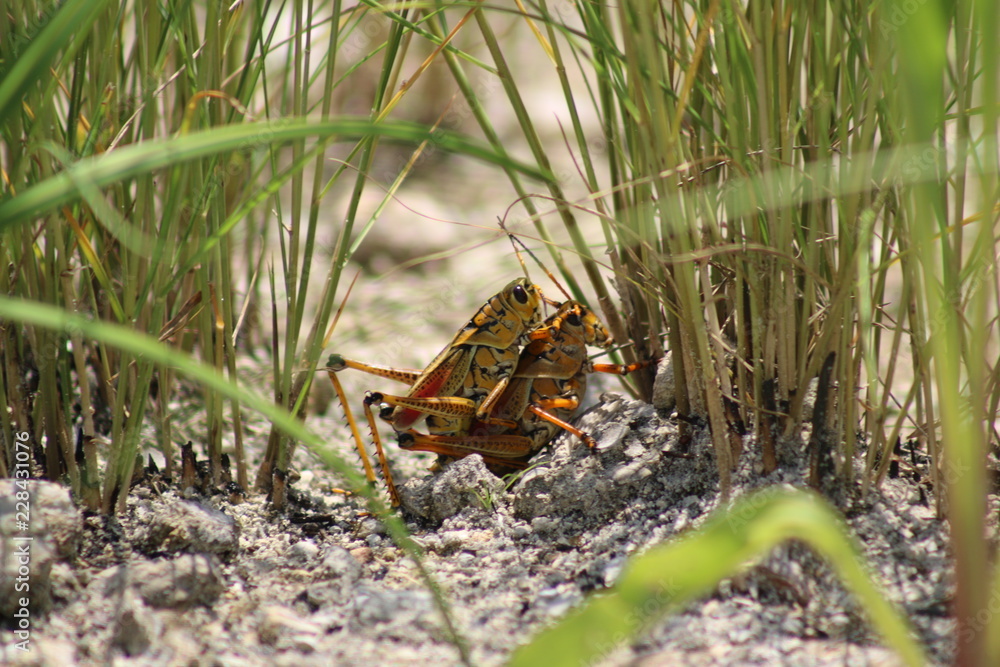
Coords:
pixel 188 578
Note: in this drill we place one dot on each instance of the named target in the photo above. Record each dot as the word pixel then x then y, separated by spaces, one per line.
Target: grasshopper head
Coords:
pixel 505 318
pixel 525 300
pixel 575 319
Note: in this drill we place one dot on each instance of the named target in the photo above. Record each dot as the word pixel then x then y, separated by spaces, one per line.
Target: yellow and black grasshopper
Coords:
pixel 543 393
pixel 465 378
pixel 483 393
pixel 522 411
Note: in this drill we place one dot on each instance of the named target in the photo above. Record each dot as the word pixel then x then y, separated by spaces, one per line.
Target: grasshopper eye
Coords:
pixel 520 294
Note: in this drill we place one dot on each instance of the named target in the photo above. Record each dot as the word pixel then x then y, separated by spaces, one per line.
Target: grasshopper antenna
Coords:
pixel 515 241
pixel 336 318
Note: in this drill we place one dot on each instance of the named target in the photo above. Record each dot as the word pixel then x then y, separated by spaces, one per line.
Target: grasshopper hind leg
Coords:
pixel 380 450
pixel 498 451
pixel 353 425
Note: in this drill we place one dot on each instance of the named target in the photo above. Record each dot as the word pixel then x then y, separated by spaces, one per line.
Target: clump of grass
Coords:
pixel 665 578
pixel 147 188
pixel 151 160
pixel 783 191
pixel 800 192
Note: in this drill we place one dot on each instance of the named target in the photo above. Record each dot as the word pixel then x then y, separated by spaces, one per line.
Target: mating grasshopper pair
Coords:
pixel 485 394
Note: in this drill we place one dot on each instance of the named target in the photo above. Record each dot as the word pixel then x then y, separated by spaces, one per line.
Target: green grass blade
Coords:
pixel 143 345
pixel 153 351
pixel 666 577
pixel 142 158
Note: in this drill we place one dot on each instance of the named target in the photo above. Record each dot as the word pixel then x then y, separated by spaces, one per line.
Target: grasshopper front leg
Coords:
pixel 621 369
pixel 568 405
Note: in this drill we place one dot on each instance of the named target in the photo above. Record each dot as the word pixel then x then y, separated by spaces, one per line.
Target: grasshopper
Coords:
pixel 532 405
pixel 543 393
pixel 462 382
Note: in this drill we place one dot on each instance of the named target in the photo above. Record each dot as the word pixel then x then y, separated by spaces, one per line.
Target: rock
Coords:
pixel 463 484
pixel 303 551
pixel 594 483
pixel 38 525
pixel 611 435
pixel 136 627
pixel 282 628
pixel 187 525
pixel 555 602
pixel 179 583
pixel 335 579
pixel 399 612
pixel 339 563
